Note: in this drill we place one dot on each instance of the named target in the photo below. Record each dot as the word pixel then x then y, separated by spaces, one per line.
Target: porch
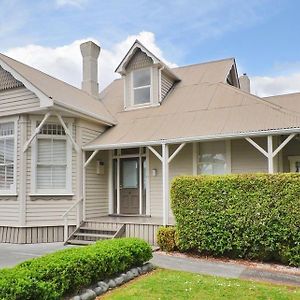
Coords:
pixel 141 176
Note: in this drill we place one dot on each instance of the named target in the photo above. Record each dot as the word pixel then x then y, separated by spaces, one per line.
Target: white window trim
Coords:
pixel 49 192
pixel 13 190
pixel 140 87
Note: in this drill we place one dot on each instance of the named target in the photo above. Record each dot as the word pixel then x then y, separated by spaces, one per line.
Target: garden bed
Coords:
pixel 64 273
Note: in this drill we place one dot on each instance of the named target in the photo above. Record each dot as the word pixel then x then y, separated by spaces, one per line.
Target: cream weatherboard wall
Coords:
pixel 96 185
pixel 12 101
pixel 17 100
pixel 25 217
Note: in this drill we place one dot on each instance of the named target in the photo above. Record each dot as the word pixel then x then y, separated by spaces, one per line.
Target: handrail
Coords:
pixel 71 207
pixel 65 217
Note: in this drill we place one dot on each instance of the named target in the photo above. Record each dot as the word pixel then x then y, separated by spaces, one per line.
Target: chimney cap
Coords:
pixel 90 48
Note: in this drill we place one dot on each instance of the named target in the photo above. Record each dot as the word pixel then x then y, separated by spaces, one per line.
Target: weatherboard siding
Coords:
pixel 96 198
pixel 182 164
pixel 96 190
pixel 166 85
pixel 17 100
pixel 48 210
pixel 247 159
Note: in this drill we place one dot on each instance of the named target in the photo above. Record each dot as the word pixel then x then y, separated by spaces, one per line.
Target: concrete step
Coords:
pixel 80 242
pixel 95 235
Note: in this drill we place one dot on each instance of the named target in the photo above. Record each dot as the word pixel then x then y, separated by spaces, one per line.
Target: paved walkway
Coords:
pixel 228 270
pixel 12 254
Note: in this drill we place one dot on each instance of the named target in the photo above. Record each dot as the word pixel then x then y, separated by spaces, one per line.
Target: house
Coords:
pixel 101 164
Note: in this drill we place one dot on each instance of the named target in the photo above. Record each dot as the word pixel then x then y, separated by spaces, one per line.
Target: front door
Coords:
pixel 129 186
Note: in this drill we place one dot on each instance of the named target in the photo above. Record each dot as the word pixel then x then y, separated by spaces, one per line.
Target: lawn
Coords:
pixel 166 284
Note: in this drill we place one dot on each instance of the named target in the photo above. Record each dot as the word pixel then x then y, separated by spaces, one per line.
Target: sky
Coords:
pixel 262 35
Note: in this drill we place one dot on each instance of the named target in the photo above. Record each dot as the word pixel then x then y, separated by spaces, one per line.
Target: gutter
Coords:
pixel 193 139
pixel 75 110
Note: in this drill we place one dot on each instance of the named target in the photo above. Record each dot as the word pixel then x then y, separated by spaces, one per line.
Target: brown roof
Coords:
pixel 289 102
pixel 61 93
pixel 200 105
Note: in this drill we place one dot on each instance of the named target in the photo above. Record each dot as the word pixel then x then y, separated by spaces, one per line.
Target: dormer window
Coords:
pixel 141 85
pixel 147 80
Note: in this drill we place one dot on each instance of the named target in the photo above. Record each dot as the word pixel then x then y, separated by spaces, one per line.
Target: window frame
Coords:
pixel 133 104
pixel 227 156
pixel 34 161
pixel 13 188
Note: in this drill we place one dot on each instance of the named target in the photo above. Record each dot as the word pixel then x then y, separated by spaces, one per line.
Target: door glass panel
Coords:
pixel 130 174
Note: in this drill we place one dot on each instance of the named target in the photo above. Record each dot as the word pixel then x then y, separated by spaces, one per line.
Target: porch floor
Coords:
pixel 131 220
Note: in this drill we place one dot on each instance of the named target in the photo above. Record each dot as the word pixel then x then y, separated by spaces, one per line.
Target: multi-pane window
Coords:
pixel 7 154
pixel 212 158
pixel 51 159
pixel 141 86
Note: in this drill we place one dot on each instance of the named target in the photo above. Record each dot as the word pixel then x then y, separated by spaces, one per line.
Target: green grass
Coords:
pixel 166 284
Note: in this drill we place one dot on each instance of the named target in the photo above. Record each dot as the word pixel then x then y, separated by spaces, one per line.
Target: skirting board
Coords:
pixel 32 235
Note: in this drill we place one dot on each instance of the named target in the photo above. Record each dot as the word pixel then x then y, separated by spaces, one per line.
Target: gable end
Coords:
pixel 139 60
pixel 7 81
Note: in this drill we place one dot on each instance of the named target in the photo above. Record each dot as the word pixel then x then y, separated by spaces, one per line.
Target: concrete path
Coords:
pixel 228 270
pixel 12 254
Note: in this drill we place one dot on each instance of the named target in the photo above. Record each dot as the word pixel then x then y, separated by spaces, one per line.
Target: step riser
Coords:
pixel 90 233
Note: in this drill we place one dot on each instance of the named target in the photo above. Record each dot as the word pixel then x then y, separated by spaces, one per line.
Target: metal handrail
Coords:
pixel 65 217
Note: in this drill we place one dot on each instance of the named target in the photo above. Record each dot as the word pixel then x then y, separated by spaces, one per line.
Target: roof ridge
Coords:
pixel 283 95
pixel 204 63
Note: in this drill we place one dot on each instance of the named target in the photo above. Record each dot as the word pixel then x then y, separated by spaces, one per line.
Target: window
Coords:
pixel 7 157
pixel 141 86
pixel 53 160
pixel 212 158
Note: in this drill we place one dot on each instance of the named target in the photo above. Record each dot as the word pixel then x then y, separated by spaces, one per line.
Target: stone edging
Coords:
pixel 103 286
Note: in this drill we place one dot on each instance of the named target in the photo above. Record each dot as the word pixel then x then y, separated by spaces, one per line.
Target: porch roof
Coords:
pixel 196 109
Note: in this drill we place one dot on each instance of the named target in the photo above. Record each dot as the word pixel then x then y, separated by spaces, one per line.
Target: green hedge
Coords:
pixel 166 238
pixel 56 275
pixel 253 216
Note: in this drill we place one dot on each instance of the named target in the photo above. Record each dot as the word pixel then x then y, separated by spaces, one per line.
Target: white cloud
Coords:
pixel 65 62
pixel 77 3
pixel 268 85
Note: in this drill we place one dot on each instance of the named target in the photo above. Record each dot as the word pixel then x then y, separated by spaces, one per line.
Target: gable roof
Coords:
pixel 137 45
pixel 201 106
pixel 56 92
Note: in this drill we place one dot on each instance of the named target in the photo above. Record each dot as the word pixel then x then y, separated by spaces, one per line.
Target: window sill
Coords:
pixel 50 194
pixel 137 106
pixel 9 195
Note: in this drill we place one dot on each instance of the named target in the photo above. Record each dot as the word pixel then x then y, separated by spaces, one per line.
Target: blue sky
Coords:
pixel 262 35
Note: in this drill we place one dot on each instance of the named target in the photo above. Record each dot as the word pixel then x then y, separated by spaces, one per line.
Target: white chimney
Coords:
pixel 245 83
pixel 90 53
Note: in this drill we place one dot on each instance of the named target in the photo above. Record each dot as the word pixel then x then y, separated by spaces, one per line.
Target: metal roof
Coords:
pixel 200 105
pixel 62 94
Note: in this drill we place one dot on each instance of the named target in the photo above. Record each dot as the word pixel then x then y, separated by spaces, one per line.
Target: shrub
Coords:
pixel 65 272
pixel 166 238
pixel 248 216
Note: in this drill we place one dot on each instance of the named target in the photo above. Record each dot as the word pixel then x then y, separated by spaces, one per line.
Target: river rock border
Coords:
pixel 105 285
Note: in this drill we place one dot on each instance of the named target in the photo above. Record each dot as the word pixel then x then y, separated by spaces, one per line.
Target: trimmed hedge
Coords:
pixel 65 272
pixel 166 239
pixel 253 216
